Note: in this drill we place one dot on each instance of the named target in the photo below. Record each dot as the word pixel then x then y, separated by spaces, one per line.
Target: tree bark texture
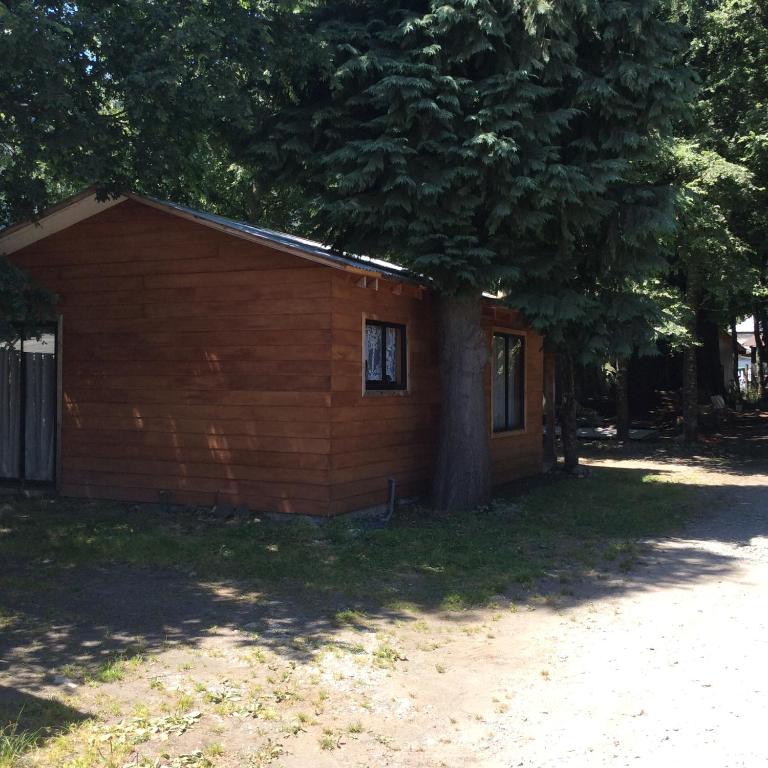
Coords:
pixel 711 374
pixel 462 478
pixel 622 399
pixel 690 395
pixel 690 364
pixel 550 410
pixel 568 413
pixel 759 352
pixel 735 386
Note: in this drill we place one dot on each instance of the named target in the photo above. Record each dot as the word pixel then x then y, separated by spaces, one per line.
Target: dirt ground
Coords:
pixel 662 663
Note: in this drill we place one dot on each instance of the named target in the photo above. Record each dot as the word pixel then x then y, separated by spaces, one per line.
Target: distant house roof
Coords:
pixel 726 340
pixel 741 349
pixel 746 339
pixel 85 204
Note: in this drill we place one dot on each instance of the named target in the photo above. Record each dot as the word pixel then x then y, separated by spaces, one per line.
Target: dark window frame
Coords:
pixel 375 385
pixel 506 428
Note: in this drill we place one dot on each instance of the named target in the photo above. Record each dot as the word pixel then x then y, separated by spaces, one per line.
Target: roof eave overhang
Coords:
pixel 85 204
pixel 54 219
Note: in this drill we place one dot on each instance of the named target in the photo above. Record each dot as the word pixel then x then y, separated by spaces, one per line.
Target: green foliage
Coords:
pixel 137 95
pixel 21 303
pixel 675 318
pixel 512 147
pixel 27 721
pixel 600 302
pixel 721 161
pixel 493 146
pixel 140 96
pixel 709 248
pixel 48 120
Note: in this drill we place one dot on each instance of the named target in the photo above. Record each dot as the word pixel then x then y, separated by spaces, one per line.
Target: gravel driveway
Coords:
pixel 668 666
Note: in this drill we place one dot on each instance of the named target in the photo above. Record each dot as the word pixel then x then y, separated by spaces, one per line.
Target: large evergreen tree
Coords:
pixel 489 145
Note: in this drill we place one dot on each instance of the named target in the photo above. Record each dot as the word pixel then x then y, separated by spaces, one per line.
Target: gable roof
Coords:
pixel 85 204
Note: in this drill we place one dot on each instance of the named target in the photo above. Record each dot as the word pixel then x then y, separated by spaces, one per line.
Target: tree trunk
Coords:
pixel 568 414
pixel 759 353
pixel 690 395
pixel 711 374
pixel 550 409
pixel 622 399
pixel 690 365
pixel 462 477
pixel 735 386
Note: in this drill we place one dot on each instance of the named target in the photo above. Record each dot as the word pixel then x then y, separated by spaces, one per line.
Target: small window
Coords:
pixel 385 357
pixel 508 382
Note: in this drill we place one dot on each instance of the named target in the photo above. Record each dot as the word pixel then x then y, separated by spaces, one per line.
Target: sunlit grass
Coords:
pixel 14 743
pixel 113 669
pixel 27 722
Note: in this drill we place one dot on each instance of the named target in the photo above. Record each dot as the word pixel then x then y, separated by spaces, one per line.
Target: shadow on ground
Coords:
pixel 738 447
pixel 57 611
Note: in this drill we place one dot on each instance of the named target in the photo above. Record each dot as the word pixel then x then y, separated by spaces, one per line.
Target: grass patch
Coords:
pixel 111 670
pixel 14 743
pixel 329 741
pixel 349 617
pixel 448 563
pixel 386 656
pixel 27 722
pixel 7 620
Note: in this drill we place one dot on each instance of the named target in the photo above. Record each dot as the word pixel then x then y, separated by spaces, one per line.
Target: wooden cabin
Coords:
pixel 201 361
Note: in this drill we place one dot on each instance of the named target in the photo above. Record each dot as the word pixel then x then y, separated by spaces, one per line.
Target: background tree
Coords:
pixel 717 165
pixel 137 95
pixel 713 266
pixel 615 213
pixel 731 51
pixel 722 171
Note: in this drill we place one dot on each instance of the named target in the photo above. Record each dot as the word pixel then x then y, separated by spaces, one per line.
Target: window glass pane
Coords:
pixel 499 393
pixel 392 354
pixel 373 340
pixel 516 397
pixel 385 366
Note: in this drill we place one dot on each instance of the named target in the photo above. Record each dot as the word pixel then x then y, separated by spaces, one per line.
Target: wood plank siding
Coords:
pixel 378 435
pixel 519 453
pixel 217 369
pixel 193 362
pixel 381 434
